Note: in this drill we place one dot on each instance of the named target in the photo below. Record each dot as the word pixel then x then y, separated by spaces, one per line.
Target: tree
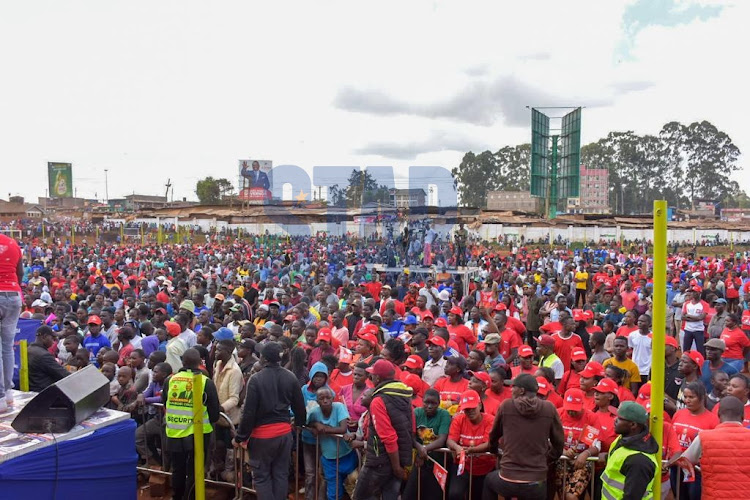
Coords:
pixel 211 191
pixel 362 188
pixel 513 168
pixel 474 177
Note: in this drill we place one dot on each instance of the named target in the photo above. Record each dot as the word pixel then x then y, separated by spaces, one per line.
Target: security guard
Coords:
pixel 631 465
pixel 178 402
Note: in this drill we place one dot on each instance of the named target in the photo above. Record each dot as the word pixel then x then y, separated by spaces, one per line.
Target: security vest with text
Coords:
pixel 179 408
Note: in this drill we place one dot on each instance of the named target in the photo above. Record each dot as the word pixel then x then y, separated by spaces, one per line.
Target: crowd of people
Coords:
pixel 543 360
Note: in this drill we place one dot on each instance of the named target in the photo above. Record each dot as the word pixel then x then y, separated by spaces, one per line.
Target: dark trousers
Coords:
pixel 494 485
pixel 183 470
pixel 422 479
pixel 698 337
pixel 458 486
pixel 377 481
pixel 269 460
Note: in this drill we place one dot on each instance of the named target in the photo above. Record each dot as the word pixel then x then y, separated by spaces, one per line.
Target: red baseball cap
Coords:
pixel 578 355
pixel 436 340
pixel 573 400
pixel 696 358
pixel 368 337
pixel 469 399
pixel 578 315
pixel 606 385
pixel 500 306
pixel 382 368
pixel 456 310
pixel 414 361
pixel 368 328
pixel 440 322
pixel 427 314
pixel 644 394
pixel 94 320
pixel 173 329
pixel 547 340
pixel 412 380
pixel 587 315
pixel 162 310
pixel 668 340
pixel 324 334
pixel 543 384
pixel 483 376
pixel 525 351
pixel 592 369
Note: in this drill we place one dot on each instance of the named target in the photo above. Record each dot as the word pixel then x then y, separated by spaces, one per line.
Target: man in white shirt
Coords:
pixel 640 341
pixel 429 292
pixel 434 367
pixel 693 314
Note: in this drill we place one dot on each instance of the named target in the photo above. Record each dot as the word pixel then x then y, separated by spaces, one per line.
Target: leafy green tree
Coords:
pixel 476 175
pixel 212 191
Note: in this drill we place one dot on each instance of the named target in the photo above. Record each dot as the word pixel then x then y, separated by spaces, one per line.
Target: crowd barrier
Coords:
pixel 241 457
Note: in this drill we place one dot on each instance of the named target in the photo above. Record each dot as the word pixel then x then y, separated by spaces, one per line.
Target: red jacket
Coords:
pixel 726 449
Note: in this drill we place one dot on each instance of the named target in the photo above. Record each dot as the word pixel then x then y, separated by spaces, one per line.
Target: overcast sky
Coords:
pixel 182 89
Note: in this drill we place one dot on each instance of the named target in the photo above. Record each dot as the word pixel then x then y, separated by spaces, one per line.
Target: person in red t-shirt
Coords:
pixel 605 396
pixel 460 333
pixel 628 324
pixel 566 341
pixel 469 434
pixel 738 345
pixel 572 378
pixel 581 429
pixel 497 389
pixel 590 377
pixel 526 356
pixel 732 286
pixel 480 382
pixel 453 384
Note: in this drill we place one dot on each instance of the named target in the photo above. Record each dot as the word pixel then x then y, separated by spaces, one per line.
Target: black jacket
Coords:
pixel 270 394
pixel 43 368
pixel 210 399
pixel 637 469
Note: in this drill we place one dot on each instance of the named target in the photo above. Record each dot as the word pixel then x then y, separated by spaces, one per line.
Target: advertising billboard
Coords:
pixel 255 181
pixel 60 178
pixel 539 152
pixel 570 155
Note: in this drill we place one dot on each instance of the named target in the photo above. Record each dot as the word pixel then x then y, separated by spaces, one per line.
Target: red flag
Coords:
pixel 441 474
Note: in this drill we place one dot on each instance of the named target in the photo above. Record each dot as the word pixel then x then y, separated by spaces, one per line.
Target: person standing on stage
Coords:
pixel 265 423
pixel 178 402
pixel 462 236
pixel 11 275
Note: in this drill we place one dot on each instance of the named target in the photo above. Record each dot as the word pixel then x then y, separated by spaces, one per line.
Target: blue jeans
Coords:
pixel 10 309
pixel 347 464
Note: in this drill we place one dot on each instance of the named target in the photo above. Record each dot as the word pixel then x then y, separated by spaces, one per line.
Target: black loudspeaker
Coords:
pixel 67 403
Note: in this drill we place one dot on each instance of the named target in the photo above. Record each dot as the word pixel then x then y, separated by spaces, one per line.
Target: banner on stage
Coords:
pixel 255 181
pixel 25 330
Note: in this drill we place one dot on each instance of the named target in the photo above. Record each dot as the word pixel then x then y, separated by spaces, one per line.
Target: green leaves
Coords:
pixel 211 191
pixel 505 170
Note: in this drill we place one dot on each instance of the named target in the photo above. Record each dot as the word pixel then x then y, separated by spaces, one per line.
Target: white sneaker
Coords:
pixel 3 406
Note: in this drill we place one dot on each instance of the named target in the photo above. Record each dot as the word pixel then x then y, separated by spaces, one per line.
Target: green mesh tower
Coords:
pixel 555 159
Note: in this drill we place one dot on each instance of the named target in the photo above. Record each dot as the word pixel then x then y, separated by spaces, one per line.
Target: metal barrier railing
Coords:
pixel 239 466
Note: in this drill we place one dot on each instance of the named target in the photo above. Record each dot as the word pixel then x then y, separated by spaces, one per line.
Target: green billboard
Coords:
pixel 568 175
pixel 60 177
pixel 539 152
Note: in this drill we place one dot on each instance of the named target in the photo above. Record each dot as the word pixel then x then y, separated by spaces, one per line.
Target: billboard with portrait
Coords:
pixel 255 181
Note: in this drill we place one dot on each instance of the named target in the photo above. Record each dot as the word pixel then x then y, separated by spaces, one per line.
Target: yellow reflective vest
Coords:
pixel 613 481
pixel 179 407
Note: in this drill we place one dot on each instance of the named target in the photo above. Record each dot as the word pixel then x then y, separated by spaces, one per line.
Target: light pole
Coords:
pixel 106 186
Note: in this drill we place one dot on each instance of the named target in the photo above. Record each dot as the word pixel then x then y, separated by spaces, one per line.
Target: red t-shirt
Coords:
pixel 732 287
pixel 629 299
pixel 571 380
pixel 498 397
pixel 450 391
pixel 736 340
pixel 745 420
pixel 462 336
pixel 625 330
pixel 564 347
pixel 466 434
pixel 10 255
pixel 510 340
pixel 490 406
pixel 555 398
pixel 606 422
pixel 517 370
pixel 516 324
pixel 687 426
pixel 573 428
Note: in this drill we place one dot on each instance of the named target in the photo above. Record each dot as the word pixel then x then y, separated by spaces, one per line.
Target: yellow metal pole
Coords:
pixel 159 235
pixel 44 234
pixel 23 372
pixel 97 233
pixel 659 329
pixel 143 237
pixel 731 241
pixel 200 484
pixel 122 234
pixel 72 235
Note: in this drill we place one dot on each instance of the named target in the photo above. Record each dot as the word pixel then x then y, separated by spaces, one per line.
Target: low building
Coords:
pixel 137 202
pixel 404 198
pixel 520 201
pixel 735 214
pixel 15 211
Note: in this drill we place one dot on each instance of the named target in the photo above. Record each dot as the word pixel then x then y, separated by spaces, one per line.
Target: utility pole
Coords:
pixel 106 186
